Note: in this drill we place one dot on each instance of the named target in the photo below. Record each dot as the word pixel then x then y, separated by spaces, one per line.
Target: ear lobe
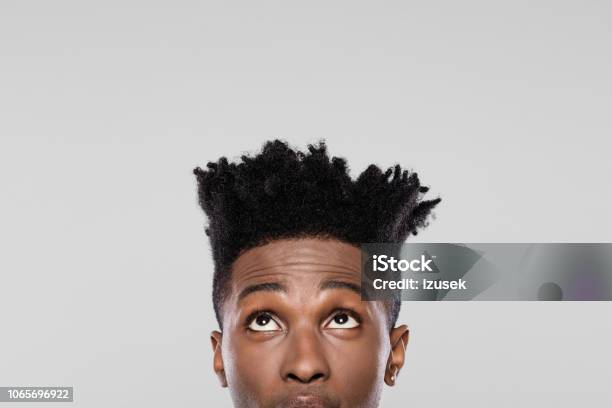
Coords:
pixel 399 340
pixel 215 340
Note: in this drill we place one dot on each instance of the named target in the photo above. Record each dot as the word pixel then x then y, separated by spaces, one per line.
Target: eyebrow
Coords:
pixel 336 284
pixel 262 287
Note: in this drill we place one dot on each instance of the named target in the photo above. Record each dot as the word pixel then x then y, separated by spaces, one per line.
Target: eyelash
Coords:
pixel 252 316
pixel 349 312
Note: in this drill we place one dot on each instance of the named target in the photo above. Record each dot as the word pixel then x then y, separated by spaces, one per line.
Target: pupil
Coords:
pixel 341 318
pixel 262 320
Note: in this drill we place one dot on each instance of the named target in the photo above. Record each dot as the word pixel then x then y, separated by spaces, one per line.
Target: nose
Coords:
pixel 305 361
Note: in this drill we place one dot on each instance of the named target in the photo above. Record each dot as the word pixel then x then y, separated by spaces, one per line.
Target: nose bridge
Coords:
pixel 305 359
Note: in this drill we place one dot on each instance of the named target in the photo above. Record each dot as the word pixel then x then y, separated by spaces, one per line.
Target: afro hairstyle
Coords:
pixel 283 193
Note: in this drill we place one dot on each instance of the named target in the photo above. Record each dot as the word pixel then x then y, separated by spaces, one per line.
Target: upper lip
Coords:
pixel 306 400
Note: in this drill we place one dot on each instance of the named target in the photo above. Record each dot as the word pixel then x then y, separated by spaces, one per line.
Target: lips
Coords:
pixel 308 401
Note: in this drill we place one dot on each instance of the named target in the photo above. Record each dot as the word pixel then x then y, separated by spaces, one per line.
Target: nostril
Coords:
pixel 294 377
pixel 305 380
pixel 316 377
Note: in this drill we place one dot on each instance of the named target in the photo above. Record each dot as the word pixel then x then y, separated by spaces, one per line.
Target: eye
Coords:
pixel 343 320
pixel 264 322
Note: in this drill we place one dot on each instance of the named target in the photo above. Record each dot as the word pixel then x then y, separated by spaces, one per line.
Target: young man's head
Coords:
pixel 285 228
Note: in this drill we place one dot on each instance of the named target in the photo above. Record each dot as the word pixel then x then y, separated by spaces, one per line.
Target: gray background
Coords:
pixel 105 107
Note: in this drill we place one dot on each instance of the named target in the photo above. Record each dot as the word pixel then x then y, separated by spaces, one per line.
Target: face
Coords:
pixel 296 333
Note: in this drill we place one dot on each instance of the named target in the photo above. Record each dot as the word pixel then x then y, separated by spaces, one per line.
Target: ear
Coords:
pixel 399 340
pixel 215 339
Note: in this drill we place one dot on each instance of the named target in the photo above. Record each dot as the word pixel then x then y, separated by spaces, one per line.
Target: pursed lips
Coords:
pixel 308 401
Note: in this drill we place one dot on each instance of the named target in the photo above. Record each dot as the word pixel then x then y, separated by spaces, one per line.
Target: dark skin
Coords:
pixel 296 333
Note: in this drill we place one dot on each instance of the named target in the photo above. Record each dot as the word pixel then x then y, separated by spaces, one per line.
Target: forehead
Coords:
pixel 298 260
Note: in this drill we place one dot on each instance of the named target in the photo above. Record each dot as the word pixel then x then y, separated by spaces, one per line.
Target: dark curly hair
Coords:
pixel 284 193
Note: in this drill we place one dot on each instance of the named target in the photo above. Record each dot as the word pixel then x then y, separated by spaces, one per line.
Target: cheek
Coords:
pixel 251 367
pixel 358 367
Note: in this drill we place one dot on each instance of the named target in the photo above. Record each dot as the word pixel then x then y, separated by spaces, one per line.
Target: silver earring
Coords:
pixel 393 376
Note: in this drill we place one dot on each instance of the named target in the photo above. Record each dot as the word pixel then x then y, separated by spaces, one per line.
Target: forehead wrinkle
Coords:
pixel 245 272
pixel 308 259
pixel 273 277
pixel 241 279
